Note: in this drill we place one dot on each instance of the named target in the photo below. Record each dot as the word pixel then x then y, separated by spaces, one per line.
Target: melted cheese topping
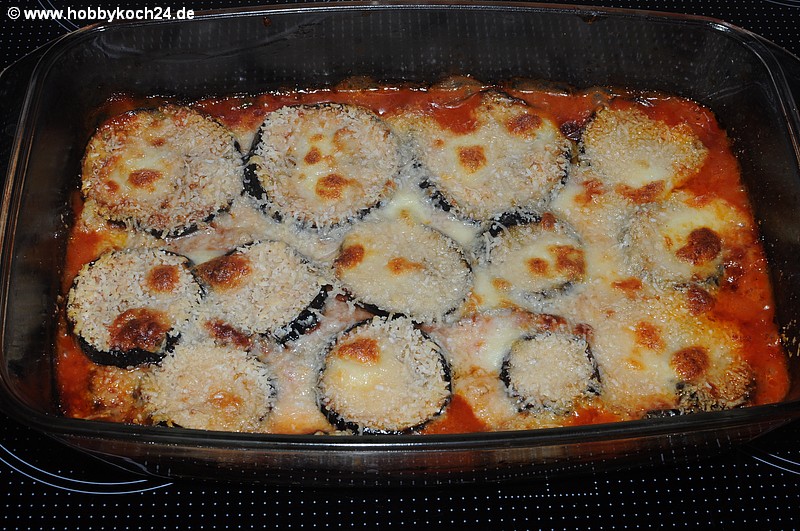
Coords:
pixel 653 268
pixel 550 370
pixel 384 376
pixel 132 299
pixel 325 164
pixel 531 261
pixel 206 386
pixel 258 288
pixel 164 169
pixel 403 267
pixel 642 158
pixel 510 157
pixel 677 242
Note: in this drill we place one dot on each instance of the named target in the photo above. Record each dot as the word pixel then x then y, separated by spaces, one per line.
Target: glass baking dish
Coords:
pixel 49 100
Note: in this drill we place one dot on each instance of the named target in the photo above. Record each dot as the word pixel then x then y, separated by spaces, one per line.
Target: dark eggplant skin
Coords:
pixel 127 358
pixel 188 229
pixel 436 196
pixel 510 219
pixel 306 321
pixel 342 424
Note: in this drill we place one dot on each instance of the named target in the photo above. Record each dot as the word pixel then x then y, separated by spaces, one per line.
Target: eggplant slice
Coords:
pixel 265 288
pixel 402 267
pixel 322 165
pixel 128 307
pixel 641 158
pixel 530 258
pixel 512 157
pixel 550 371
pixel 204 385
pixel 166 171
pixel 383 375
pixel 675 243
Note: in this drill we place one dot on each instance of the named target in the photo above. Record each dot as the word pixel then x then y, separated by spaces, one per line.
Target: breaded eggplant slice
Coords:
pixel 711 372
pixel 536 259
pixel 264 287
pixel 163 170
pixel 512 157
pixel 204 385
pixel 400 266
pixel 383 376
pixel 323 165
pixel 676 242
pixel 641 158
pixel 128 307
pixel 550 370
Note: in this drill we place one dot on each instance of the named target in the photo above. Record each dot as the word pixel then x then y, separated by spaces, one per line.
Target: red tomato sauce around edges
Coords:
pixel 744 300
pixel 458 419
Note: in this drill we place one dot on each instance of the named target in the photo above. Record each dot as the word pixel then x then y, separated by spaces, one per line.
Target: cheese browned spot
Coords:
pixel 144 178
pixel 537 266
pixel 703 245
pixel 350 256
pixel 139 328
pixel 363 350
pixel 226 334
pixel 399 265
pixel 332 186
pixel 569 260
pixel 592 188
pixel 629 286
pixel 699 300
pixel 524 124
pixel 646 194
pixel 471 158
pixel 383 375
pixel 649 336
pixel 324 165
pixel 164 170
pixel 690 363
pixel 163 278
pixel 225 272
pixel 313 156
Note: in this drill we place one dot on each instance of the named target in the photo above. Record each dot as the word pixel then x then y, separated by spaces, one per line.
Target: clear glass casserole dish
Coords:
pixel 48 117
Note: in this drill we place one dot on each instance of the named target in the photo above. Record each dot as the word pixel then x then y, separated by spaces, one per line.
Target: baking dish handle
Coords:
pixel 790 66
pixel 14 82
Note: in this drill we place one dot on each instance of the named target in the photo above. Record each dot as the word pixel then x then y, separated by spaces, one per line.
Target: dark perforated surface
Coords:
pixel 47 486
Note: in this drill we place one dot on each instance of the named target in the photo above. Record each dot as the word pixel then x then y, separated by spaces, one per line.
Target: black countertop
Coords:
pixel 45 485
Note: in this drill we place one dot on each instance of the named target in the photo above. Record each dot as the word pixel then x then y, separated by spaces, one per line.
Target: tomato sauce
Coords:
pixel 744 298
